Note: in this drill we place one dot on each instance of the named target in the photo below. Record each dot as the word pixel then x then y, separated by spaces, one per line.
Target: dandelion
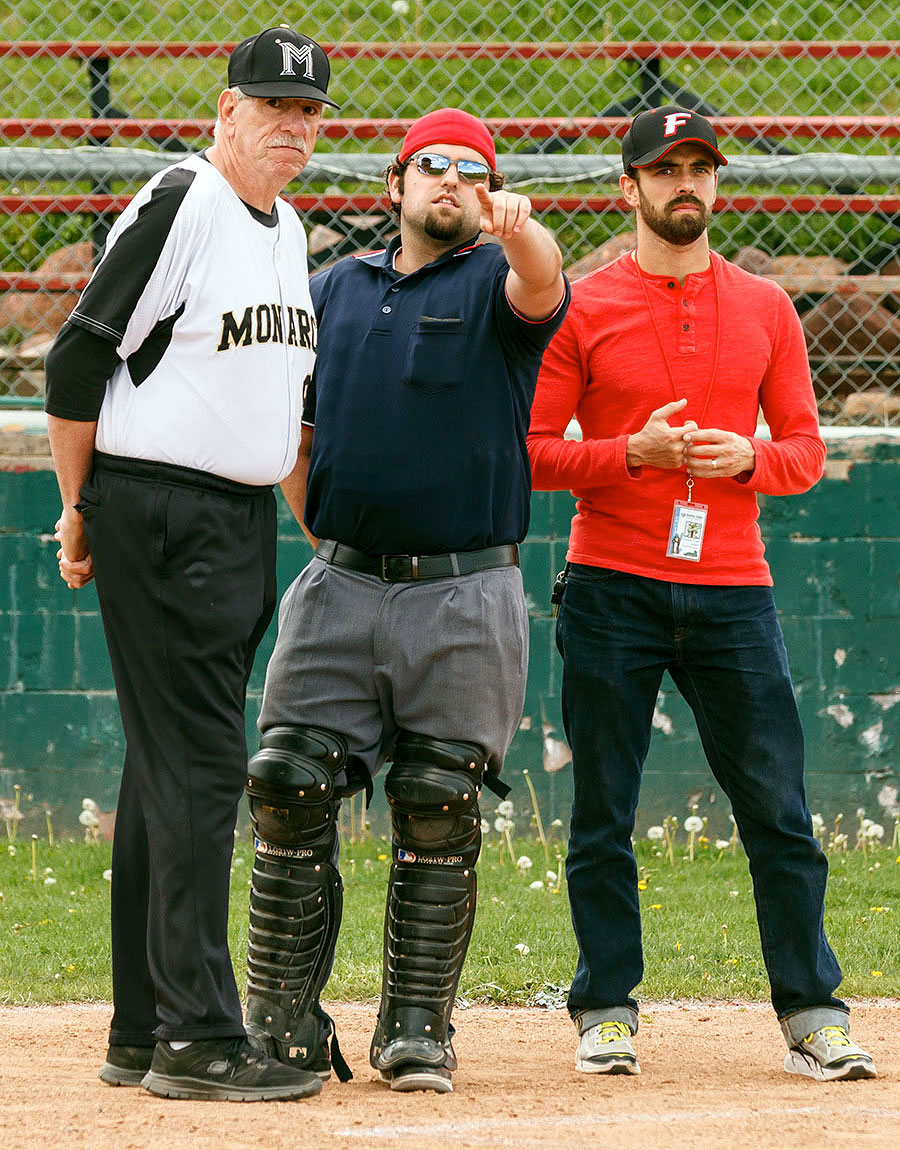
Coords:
pixel 722 845
pixel 734 835
pixel 485 827
pixel 670 826
pixel 49 881
pixel 522 948
pixel 523 863
pixel 506 809
pixel 692 825
pixel 11 850
pixel 655 834
pixel 504 826
pixel 536 885
pixel 107 874
pixel 550 875
pixel 545 842
pixel 875 831
pixel 16 815
pixel 876 973
pixel 90 822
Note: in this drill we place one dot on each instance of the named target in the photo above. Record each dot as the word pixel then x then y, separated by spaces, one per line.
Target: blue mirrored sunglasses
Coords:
pixel 434 164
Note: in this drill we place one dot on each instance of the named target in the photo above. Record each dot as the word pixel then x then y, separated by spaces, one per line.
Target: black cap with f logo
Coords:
pixel 658 130
pixel 280 62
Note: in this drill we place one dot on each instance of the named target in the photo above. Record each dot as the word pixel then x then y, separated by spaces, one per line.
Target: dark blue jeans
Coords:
pixel 617 634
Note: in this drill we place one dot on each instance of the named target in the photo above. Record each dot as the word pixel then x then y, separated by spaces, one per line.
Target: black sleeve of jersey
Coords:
pixel 78 368
pixel 308 415
pixel 107 303
pixel 318 288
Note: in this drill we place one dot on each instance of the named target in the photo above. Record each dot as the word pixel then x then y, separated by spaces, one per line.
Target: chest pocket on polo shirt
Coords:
pixel 434 354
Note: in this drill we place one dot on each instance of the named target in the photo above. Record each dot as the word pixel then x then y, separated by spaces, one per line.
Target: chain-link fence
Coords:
pixel 96 96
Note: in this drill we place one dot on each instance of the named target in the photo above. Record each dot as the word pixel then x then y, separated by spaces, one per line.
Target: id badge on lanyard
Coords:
pixel 687 528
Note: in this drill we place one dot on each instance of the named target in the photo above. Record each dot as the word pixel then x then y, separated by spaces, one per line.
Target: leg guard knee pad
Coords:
pixel 432 789
pixel 296 895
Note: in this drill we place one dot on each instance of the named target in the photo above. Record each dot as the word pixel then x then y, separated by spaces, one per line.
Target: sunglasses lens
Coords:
pixel 432 164
pixel 472 170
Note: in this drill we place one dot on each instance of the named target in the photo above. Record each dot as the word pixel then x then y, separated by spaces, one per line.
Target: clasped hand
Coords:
pixel 708 452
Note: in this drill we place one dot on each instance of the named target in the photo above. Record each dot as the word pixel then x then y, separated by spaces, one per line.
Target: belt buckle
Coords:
pixel 386 559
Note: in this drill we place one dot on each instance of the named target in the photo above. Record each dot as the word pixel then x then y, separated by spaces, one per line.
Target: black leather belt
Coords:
pixel 406 568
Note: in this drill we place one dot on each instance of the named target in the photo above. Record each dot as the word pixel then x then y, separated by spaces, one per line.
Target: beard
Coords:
pixel 679 230
pixel 449 230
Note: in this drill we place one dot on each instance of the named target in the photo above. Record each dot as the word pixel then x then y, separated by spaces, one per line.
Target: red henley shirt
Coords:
pixel 607 367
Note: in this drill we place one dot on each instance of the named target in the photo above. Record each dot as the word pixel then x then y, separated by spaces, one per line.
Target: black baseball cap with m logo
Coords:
pixel 280 62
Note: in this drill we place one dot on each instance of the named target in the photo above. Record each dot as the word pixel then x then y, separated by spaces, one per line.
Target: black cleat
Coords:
pixel 230 1069
pixel 126 1065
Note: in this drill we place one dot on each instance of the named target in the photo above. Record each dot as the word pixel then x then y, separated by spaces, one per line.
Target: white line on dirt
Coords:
pixel 487 1129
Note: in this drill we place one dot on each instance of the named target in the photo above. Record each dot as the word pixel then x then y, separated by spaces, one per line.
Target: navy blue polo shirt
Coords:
pixel 420 401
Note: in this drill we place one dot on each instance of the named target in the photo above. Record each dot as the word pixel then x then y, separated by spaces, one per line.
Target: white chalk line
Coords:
pixel 492 1130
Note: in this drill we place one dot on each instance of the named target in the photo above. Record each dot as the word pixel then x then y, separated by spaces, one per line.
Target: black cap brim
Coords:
pixel 658 153
pixel 287 89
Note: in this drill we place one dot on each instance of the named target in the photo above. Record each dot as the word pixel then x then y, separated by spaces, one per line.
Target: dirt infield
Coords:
pixel 711 1078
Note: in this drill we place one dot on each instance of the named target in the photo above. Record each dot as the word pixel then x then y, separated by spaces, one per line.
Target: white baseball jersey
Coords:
pixel 208 304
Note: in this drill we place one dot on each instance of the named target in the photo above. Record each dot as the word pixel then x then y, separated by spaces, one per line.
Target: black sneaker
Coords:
pixel 228 1069
pixel 126 1065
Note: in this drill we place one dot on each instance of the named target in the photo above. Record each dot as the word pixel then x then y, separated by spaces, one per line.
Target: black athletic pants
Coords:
pixel 185 570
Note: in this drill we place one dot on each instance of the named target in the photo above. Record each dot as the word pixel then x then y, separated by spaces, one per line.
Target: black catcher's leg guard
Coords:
pixel 432 789
pixel 296 895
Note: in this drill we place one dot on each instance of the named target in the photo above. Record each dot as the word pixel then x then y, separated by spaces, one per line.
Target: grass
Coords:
pixel 700 936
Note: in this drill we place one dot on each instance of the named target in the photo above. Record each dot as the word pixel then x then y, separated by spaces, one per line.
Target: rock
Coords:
pixel 848 324
pixel 799 265
pixel 753 260
pixel 874 405
pixel 46 312
pixel 605 254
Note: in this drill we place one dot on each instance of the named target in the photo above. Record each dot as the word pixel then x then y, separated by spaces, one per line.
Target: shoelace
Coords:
pixel 833 1035
pixel 612 1032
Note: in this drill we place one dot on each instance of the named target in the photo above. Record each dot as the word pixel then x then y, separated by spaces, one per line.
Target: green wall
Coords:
pixel 835 556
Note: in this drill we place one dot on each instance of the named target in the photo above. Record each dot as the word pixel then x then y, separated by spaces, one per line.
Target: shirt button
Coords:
pixel 671 283
pixel 387 309
pixel 685 327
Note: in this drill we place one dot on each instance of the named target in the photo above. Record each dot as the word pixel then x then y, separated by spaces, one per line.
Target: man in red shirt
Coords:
pixel 665 358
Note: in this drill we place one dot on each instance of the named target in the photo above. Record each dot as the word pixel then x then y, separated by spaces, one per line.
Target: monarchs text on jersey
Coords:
pixel 207 301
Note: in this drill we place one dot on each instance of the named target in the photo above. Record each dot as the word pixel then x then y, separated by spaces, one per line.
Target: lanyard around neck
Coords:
pixel 662 346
